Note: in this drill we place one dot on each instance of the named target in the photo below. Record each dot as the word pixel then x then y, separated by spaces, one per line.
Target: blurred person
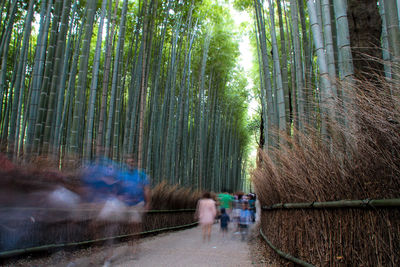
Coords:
pixel 245 220
pixel 5 164
pixel 136 188
pixel 236 208
pixel 206 212
pixel 225 201
pixel 100 181
pixel 252 206
pixel 102 186
pixel 217 204
pixel 224 220
pixel 136 194
pixel 258 211
pixel 33 202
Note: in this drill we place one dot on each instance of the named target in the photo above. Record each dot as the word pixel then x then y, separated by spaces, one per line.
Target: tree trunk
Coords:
pixel 93 86
pixel 394 38
pixel 285 76
pixel 365 27
pixel 300 97
pixel 106 76
pixel 143 86
pixel 80 99
pixel 19 83
pixel 279 85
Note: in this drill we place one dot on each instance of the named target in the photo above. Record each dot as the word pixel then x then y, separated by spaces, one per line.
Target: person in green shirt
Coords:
pixel 225 201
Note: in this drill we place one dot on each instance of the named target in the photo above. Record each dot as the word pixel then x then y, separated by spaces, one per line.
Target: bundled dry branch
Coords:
pixel 359 160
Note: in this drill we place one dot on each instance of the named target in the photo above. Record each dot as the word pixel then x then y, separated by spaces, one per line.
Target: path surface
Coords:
pixel 186 248
pixel 177 249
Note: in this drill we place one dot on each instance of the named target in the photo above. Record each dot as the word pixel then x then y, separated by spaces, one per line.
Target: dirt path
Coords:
pixel 186 248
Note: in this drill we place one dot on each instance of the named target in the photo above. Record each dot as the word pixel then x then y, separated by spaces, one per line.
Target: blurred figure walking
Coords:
pixel 225 201
pixel 245 220
pixel 224 222
pixel 206 212
pixel 252 206
pixel 136 195
pixel 236 208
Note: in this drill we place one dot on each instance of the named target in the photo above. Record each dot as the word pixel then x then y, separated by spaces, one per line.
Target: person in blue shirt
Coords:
pixel 244 220
pixel 123 195
pixel 100 181
pixel 135 185
pixel 252 206
pixel 135 194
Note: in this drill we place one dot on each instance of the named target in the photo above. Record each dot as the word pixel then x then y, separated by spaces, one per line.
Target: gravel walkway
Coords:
pixel 186 248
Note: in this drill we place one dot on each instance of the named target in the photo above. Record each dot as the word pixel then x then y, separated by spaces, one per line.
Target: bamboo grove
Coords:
pixel 330 109
pixel 153 79
pixel 309 55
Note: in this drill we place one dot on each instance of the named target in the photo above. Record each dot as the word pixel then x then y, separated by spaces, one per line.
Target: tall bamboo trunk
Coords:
pixel 308 98
pixel 54 89
pixel 285 77
pixel 93 87
pixel 19 84
pixel 63 96
pixel 4 48
pixel 392 23
pixel 114 83
pixel 266 78
pixel 327 105
pixel 41 45
pixel 346 72
pixel 80 99
pixel 279 85
pixel 106 77
pixel 326 18
pixel 46 95
pixel 142 87
pixel 365 27
pixel 300 97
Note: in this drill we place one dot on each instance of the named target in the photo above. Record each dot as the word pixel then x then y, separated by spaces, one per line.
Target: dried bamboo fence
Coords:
pixel 335 233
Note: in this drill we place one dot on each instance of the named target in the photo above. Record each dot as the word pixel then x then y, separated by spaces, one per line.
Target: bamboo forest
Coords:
pixel 294 103
pixel 115 78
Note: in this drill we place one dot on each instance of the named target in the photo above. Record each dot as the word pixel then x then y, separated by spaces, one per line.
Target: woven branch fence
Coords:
pixel 336 233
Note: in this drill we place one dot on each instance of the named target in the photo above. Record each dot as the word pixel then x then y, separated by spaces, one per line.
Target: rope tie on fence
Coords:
pixel 366 202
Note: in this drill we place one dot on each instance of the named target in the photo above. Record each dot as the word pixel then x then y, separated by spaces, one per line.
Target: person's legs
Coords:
pixel 204 230
pixel 209 232
pixel 224 230
pixel 243 231
pixel 135 225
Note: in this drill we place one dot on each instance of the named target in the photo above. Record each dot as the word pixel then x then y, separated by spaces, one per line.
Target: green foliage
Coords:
pixel 243 4
pixel 198 103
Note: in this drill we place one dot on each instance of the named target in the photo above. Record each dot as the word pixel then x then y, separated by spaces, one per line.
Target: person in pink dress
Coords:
pixel 206 211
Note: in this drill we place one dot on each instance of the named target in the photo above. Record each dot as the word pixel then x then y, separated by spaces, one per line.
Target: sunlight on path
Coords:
pixel 186 248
